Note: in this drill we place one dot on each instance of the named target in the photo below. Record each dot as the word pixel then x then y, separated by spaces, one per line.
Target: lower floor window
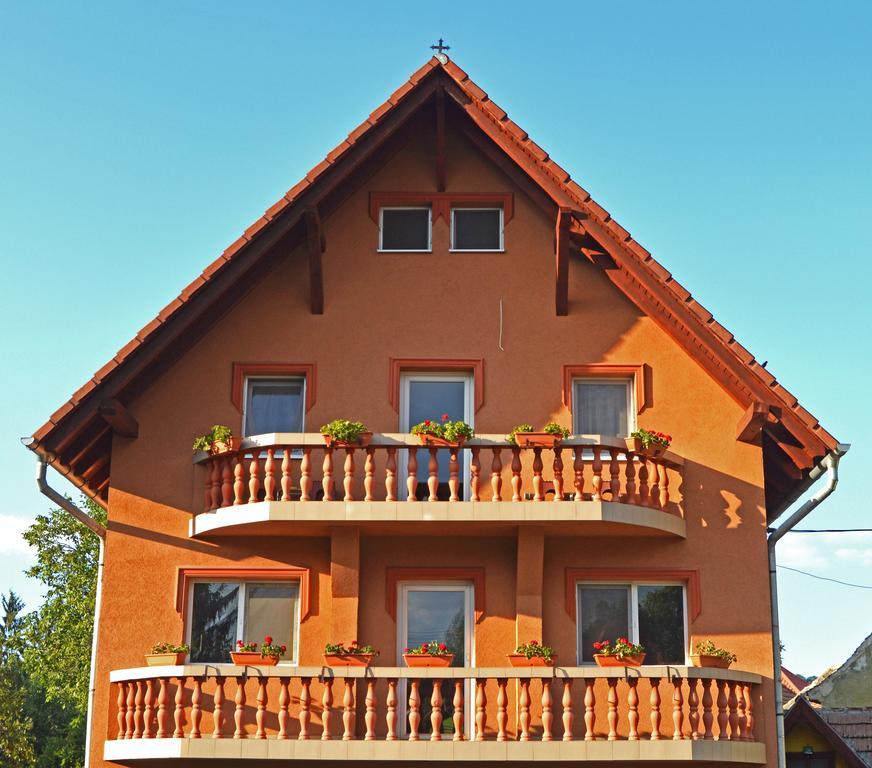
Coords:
pixel 652 615
pixel 223 612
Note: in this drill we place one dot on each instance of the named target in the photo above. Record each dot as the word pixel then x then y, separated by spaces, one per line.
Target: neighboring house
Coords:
pixel 791 684
pixel 436 262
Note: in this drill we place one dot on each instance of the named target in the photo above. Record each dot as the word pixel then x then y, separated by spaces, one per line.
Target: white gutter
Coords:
pixel 830 465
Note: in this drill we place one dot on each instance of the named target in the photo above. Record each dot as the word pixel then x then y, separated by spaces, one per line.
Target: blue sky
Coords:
pixel 138 140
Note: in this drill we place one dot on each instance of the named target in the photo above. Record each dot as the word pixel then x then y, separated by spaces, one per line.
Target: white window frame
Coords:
pixel 245 432
pixel 240 613
pixel 627 381
pixel 428 208
pixel 633 607
pixel 502 247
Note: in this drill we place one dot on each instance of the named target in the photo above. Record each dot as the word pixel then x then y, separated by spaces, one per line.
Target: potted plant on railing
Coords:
pixel 246 654
pixel 532 654
pixel 355 655
pixel 445 433
pixel 622 653
pixel 432 654
pixel 653 444
pixel 709 655
pixel 166 653
pixel 551 435
pixel 342 433
pixel 219 439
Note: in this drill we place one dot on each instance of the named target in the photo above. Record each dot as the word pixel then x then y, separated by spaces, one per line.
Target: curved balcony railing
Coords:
pixel 299 467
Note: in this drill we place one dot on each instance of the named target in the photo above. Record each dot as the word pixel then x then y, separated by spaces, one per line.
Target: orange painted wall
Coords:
pixel 442 304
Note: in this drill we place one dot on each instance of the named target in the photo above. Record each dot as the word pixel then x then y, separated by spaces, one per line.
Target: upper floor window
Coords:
pixel 274 404
pixel 405 229
pixel 222 612
pixel 602 406
pixel 650 614
pixel 476 229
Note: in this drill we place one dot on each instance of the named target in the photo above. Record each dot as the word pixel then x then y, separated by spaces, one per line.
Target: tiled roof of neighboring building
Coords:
pixel 854 726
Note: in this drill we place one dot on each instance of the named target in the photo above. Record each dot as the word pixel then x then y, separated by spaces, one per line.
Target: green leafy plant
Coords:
pixel 534 648
pixel 708 648
pixel 343 430
pixel 452 431
pixel 648 438
pixel 170 648
pixel 353 649
pixel 515 430
pixel 621 647
pixel 553 428
pixel 218 434
pixel 266 650
pixel 432 648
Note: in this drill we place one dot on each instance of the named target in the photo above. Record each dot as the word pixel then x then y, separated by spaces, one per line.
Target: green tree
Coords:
pixel 16 727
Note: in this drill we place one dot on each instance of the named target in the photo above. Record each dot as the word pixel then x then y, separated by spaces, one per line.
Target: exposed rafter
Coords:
pixel 315 247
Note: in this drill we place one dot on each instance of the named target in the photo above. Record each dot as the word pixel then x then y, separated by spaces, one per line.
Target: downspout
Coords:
pixel 830 465
pixel 100 530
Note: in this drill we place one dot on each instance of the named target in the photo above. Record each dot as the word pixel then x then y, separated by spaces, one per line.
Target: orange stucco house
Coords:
pixel 437 261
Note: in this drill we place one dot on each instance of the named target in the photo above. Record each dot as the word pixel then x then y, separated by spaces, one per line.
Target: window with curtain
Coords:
pixel 223 612
pixel 274 405
pixel 476 229
pixel 404 229
pixel 602 406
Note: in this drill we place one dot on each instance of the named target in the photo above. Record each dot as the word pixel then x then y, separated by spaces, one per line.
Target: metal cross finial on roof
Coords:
pixel 440 47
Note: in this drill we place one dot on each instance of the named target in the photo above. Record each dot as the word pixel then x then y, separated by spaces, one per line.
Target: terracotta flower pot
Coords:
pixel 613 661
pixel 253 659
pixel 362 441
pixel 164 659
pixel 654 450
pixel 704 660
pixel 519 660
pixel 537 439
pixel 348 659
pixel 226 446
pixel 440 441
pixel 428 660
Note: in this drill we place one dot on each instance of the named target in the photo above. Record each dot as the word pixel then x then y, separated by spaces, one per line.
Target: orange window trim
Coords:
pixel 186 575
pixel 398 366
pixel 441 202
pixel 394 575
pixel 689 576
pixel 243 370
pixel 606 370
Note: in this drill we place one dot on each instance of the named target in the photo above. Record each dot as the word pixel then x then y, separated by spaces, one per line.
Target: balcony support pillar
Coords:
pixel 529 582
pixel 344 582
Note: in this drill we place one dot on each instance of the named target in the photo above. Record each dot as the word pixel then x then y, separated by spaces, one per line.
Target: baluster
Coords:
pixel 254 477
pixel 327 474
pixel 269 481
pixel 458 710
pixel 654 497
pixel 538 492
pixel 305 715
pixel 436 711
pixel 433 475
pixel 677 710
pixel 370 716
pixel 578 472
pixel 740 705
pixel 723 714
pixel 239 714
pixel 163 710
pixel 453 475
pixel 414 709
pixel 613 708
pixel 391 717
pixel 305 474
pixel 749 712
pixel 215 478
pixel 655 708
pixel 207 487
pixel 239 479
pixel 284 703
pixel 348 482
pixel 525 709
pixel 516 475
pixel 664 488
pixel 218 714
pixel 196 708
pixel 262 701
pixel 226 482
pixel 480 710
pixel 497 476
pixel 412 478
pixel 558 474
pixel 693 705
pixel 148 715
pixel 614 475
pixel 475 474
pixel 131 698
pixel 326 709
pixel 589 709
pixel 286 474
pixel 707 718
pixel 643 480
pixel 391 476
pixel 348 710
pixel 137 714
pixel 121 707
pixel 547 716
pixel 568 716
pixel 630 479
pixel 732 711
pixel 633 706
pixel 368 474
pixel 502 702
pixel 597 474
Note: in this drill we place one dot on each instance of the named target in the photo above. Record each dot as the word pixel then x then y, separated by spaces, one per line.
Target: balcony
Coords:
pixel 651 713
pixel 293 483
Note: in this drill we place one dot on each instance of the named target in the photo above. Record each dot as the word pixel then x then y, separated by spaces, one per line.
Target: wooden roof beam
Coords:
pixel 561 252
pixel 756 416
pixel 119 418
pixel 440 140
pixel 315 246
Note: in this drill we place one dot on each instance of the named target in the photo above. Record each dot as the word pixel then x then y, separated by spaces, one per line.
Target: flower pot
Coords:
pixel 613 661
pixel 519 660
pixel 653 451
pixel 164 659
pixel 428 660
pixel 362 441
pixel 348 659
pixel 253 659
pixel 440 441
pixel 537 439
pixel 704 660
pixel 226 446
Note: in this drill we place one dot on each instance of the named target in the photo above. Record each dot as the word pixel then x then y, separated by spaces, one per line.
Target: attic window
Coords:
pixel 476 229
pixel 405 229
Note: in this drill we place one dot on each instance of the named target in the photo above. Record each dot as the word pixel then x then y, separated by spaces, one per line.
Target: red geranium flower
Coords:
pixel 284 648
pixel 443 647
pixel 268 639
pixel 239 643
pixel 444 417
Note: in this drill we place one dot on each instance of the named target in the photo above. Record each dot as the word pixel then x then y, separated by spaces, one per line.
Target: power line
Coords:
pixel 824 578
pixel 830 530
